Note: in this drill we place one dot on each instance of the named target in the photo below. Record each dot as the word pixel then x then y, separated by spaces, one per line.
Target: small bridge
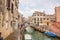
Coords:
pixel 23 26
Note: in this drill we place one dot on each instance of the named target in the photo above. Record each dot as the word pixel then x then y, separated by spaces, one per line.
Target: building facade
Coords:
pixel 55 27
pixel 30 19
pixel 20 20
pixel 41 18
pixel 8 16
pixel 57 13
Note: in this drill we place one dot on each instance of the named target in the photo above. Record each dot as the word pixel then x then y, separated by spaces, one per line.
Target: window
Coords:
pixel 47 18
pixel 19 16
pixel 38 19
pixel 13 0
pixel 0 2
pixel 11 23
pixel 0 23
pixel 34 14
pixel 6 24
pixel 16 4
pixel 0 8
pixel 47 23
pixel 12 8
pixel 34 18
pixel 8 4
pixel 40 14
pixel 43 14
pixel 1 5
pixel 37 23
pixel 34 21
pixel 37 14
pixel 43 18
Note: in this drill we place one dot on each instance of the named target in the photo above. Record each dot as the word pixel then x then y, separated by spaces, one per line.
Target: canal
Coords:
pixel 36 35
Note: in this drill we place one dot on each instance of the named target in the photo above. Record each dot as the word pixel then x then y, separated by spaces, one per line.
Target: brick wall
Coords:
pixel 57 12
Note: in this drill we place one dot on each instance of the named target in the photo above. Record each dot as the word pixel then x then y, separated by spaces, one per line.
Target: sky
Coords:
pixel 27 7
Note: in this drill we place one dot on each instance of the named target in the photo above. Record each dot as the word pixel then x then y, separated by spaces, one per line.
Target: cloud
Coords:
pixel 27 6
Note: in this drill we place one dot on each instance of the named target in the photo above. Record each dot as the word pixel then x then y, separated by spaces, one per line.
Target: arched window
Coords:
pixel 8 4
pixel 12 8
pixel 0 5
pixel 48 23
pixel 0 2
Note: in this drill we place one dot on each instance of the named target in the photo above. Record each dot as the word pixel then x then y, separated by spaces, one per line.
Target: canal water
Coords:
pixel 36 35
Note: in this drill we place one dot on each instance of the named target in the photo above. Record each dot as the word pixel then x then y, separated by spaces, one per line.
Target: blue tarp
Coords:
pixel 50 34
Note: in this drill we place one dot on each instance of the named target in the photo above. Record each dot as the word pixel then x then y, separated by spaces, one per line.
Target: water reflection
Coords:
pixel 36 35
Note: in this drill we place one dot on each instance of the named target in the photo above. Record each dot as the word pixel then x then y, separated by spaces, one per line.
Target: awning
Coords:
pixel 50 34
